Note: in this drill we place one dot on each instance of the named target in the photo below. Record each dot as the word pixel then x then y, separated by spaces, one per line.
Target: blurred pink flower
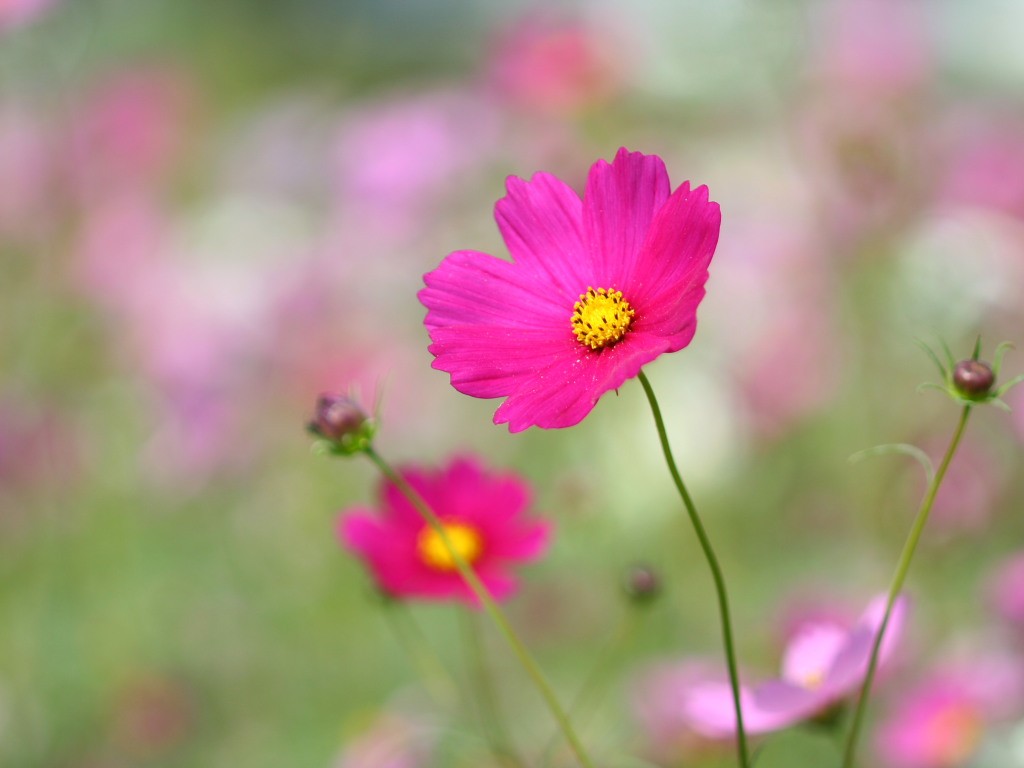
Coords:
pixel 873 46
pixel 551 65
pixel 968 496
pixel 986 166
pixel 27 168
pixel 394 159
pixel 392 741
pixel 16 13
pixel 484 515
pixel 1006 589
pixel 599 287
pixel 823 664
pixel 657 699
pixel 129 132
pixel 941 722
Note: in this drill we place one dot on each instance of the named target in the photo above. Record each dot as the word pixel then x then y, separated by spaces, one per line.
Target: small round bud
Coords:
pixel 973 378
pixel 339 420
pixel 642 583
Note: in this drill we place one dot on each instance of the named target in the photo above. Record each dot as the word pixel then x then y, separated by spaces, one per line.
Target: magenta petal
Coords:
pixel 677 252
pixel 812 652
pixel 542 223
pixel 619 204
pixel 852 661
pixel 470 288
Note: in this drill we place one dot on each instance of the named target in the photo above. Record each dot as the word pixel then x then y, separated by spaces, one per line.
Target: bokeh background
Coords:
pixel 211 212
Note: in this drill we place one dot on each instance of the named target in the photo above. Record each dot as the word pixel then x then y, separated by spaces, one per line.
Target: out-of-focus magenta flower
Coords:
pixel 969 492
pixel 598 288
pixel 27 168
pixel 873 46
pixel 941 722
pixel 553 65
pixel 823 664
pixel 986 167
pixel 1006 589
pixel 17 13
pixel 484 516
pixel 130 131
pixel 657 699
pixel 395 158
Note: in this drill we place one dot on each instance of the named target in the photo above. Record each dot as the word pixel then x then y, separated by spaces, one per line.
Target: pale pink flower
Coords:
pixel 822 665
pixel 941 722
pixel 1006 589
pixel 17 13
pixel 553 65
pixel 986 166
pixel 393 740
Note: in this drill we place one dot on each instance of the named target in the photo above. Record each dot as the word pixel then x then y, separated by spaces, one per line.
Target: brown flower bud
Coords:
pixel 337 418
pixel 642 583
pixel 973 378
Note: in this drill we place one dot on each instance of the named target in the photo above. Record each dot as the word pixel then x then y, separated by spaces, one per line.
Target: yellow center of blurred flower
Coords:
pixel 954 734
pixel 813 679
pixel 601 317
pixel 465 540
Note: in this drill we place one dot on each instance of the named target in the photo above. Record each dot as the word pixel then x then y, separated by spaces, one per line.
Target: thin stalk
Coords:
pixel 485 599
pixel 716 571
pixel 487 701
pixel 435 677
pixel 598 676
pixel 897 585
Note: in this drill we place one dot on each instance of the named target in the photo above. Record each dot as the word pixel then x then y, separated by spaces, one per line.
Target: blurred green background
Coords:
pixel 212 212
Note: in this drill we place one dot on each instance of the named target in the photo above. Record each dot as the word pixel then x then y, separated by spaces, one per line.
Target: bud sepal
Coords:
pixel 972 381
pixel 341 425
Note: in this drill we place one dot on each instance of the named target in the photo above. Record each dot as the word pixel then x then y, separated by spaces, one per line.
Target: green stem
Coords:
pixel 716 571
pixel 485 599
pixel 435 677
pixel 598 676
pixel 499 741
pixel 897 585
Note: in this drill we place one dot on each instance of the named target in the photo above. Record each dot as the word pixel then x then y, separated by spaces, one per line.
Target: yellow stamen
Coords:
pixel 431 548
pixel 601 318
pixel 813 680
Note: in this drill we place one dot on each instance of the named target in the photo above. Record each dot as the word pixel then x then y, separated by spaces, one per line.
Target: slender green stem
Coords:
pixel 897 584
pixel 716 571
pixel 435 677
pixel 500 743
pixel 598 676
pixel 485 599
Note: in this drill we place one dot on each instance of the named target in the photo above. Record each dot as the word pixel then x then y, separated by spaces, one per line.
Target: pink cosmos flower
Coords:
pixel 597 288
pixel 1006 589
pixel 483 515
pixel 940 723
pixel 823 664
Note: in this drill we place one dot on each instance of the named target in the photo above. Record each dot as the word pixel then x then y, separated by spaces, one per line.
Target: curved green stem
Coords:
pixel 498 739
pixel 897 584
pixel 485 599
pixel 436 679
pixel 716 571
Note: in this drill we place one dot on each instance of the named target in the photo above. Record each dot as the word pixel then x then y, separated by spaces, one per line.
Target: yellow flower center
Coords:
pixel 465 540
pixel 813 679
pixel 955 733
pixel 601 317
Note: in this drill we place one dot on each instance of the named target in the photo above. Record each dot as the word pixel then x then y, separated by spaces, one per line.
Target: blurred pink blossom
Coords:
pixel 17 13
pixel 395 159
pixel 485 517
pixel 970 491
pixel 986 166
pixel 940 723
pixel 1006 589
pixel 129 132
pixel 27 169
pixel 657 701
pixel 823 664
pixel 880 47
pixel 554 65
pixel 391 741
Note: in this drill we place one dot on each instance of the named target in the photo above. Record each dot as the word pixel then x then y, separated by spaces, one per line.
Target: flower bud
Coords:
pixel 341 422
pixel 973 378
pixel 642 583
